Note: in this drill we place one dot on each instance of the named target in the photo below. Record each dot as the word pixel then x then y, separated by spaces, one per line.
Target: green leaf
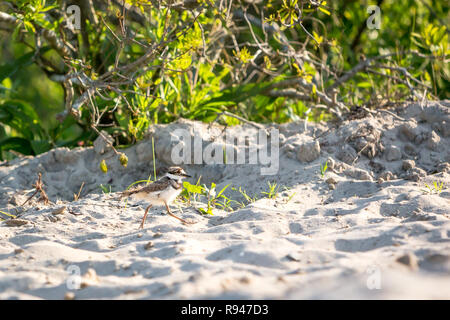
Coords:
pixel 364 85
pixel 21 117
pixel 50 7
pixel 324 11
pixel 10 68
pixel 29 26
pixel 191 188
pixel 221 191
pixel 17 144
pixel 40 146
pixel 2 132
pixel 203 211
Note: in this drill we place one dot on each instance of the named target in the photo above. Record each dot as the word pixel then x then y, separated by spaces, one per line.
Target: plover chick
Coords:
pixel 162 191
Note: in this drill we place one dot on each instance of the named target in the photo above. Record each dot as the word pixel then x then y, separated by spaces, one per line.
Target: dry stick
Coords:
pixel 29 198
pixel 292 93
pixel 366 63
pixel 54 41
pixel 134 14
pixel 289 93
pixel 253 34
pixel 254 124
pixel 405 73
pixel 40 185
pixel 92 85
pixel 39 188
pixel 405 82
pixel 359 153
pixel 306 86
pixel 77 196
pixel 203 35
pixel 382 110
pixel 274 28
pixel 62 48
pixel 105 138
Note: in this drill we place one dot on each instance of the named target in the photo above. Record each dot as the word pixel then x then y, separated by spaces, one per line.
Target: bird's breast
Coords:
pixel 169 194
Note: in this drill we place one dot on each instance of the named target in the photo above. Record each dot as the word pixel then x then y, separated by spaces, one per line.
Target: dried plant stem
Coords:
pixel 39 188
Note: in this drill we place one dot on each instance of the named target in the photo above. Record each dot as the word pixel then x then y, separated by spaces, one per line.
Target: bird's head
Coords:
pixel 177 173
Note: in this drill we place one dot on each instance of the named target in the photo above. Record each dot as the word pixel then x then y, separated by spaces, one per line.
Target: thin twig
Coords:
pixel 253 124
pixel 39 188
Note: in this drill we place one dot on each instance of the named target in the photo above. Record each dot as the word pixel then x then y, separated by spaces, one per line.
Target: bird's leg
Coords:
pixel 171 214
pixel 145 217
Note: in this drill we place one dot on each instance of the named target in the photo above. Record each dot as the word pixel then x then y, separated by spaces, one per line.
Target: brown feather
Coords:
pixel 175 184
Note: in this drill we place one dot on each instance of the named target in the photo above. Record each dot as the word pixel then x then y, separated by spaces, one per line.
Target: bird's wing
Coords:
pixel 158 185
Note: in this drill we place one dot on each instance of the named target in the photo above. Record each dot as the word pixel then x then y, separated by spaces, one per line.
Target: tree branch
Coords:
pixel 51 37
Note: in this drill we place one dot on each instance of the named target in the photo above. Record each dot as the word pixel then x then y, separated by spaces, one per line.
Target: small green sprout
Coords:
pixel 191 191
pixel 323 169
pixel 105 189
pixel 273 190
pixel 248 198
pixel 226 204
pixel 243 55
pixel 290 196
pixel 212 197
pixel 436 189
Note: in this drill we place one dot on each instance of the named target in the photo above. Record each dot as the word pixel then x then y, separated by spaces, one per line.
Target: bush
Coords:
pixel 146 62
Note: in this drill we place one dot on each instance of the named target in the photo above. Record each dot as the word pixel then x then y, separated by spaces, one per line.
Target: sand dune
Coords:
pixel 370 228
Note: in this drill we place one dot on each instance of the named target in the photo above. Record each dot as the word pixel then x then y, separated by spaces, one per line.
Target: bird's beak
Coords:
pixel 186 175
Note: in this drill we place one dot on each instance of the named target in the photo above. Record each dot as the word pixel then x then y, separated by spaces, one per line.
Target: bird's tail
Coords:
pixel 124 194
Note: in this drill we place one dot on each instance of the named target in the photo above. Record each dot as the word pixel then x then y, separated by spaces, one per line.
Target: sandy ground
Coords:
pixel 369 228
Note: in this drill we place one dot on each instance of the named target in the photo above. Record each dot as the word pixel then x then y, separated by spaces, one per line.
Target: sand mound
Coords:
pixel 369 228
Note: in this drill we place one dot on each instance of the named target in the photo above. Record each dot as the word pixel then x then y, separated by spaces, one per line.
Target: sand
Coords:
pixel 368 229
